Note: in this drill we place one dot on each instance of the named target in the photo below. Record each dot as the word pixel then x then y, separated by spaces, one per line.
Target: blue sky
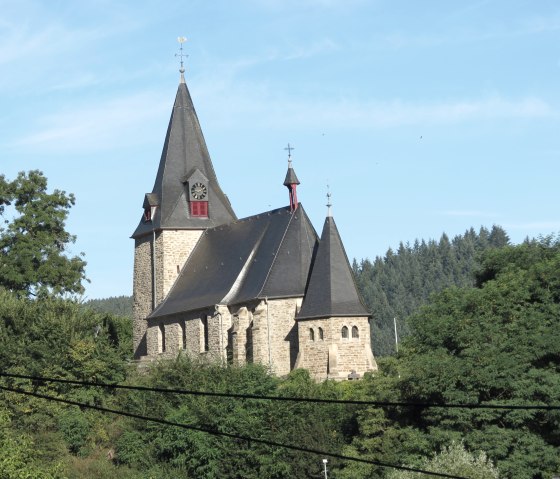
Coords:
pixel 423 117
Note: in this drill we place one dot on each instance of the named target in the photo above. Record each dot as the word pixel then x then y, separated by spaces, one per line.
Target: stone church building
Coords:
pixel 260 289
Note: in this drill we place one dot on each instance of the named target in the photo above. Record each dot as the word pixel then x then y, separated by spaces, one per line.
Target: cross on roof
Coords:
pixel 289 149
pixel 329 204
pixel 181 40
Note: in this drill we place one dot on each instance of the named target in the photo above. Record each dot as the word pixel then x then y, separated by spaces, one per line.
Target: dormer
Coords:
pixel 151 202
pixel 198 192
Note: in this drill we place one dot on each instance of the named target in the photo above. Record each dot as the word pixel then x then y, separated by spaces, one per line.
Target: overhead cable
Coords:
pixel 214 432
pixel 381 404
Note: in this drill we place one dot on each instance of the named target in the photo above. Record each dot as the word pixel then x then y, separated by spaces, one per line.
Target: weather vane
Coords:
pixel 181 40
pixel 329 204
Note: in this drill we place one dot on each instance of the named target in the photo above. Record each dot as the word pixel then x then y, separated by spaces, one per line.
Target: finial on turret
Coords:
pixel 181 40
pixel 291 180
pixel 289 149
pixel 329 204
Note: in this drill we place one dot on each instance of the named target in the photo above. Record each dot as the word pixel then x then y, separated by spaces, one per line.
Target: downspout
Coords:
pixel 268 330
pixel 154 295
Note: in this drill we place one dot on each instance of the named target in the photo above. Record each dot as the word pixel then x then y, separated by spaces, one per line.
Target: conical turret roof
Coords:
pixel 184 153
pixel 332 290
pixel 291 178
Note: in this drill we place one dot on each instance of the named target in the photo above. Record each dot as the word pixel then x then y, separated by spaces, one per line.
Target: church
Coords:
pixel 264 289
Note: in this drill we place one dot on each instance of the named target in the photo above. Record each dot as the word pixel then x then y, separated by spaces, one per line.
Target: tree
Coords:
pixel 396 285
pixel 34 244
pixel 497 343
pixel 18 455
pixel 455 460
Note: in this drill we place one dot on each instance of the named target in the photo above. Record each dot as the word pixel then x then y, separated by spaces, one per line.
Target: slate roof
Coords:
pixel 332 290
pixel 266 255
pixel 184 151
pixel 291 178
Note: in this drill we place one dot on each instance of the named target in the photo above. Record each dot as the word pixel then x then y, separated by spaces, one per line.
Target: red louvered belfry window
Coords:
pixel 199 209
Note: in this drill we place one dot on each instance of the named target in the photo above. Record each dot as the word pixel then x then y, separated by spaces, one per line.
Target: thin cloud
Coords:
pixel 105 125
pixel 299 4
pixel 534 25
pixel 278 110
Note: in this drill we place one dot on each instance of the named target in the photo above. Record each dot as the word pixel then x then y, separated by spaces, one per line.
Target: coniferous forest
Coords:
pixel 479 320
pixel 395 286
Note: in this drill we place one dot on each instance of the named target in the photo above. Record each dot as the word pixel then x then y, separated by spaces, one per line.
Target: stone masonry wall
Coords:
pixel 277 348
pixel 192 341
pixel 333 356
pixel 142 293
pixel 172 249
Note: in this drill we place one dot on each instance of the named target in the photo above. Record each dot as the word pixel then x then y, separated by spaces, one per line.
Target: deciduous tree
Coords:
pixel 34 243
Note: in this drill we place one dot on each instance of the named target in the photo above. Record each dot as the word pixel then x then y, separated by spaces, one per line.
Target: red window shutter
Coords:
pixel 199 209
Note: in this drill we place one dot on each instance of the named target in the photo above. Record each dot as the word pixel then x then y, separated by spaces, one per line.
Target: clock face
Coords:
pixel 199 191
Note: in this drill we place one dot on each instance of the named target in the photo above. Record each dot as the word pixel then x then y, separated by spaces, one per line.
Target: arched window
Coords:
pixel 355 332
pixel 183 335
pixel 321 334
pixel 344 332
pixel 311 334
pixel 161 342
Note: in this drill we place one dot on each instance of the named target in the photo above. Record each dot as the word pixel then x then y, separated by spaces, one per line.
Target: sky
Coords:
pixel 422 117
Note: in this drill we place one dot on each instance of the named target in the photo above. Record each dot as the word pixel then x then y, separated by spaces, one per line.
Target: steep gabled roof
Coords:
pixel 184 151
pixel 332 290
pixel 267 255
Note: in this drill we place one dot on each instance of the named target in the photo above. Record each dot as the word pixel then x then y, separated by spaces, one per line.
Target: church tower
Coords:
pixel 333 323
pixel 185 201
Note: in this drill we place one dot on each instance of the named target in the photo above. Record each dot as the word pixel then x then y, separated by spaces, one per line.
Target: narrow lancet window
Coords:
pixel 320 334
pixel 355 332
pixel 161 338
pixel 205 343
pixel 344 332
pixel 311 334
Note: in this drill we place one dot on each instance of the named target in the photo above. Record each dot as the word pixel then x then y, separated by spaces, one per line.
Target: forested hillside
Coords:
pixel 396 285
pixel 490 339
pixel 497 342
pixel 119 305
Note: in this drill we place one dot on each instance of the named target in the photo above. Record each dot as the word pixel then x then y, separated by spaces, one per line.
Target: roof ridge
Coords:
pixel 273 262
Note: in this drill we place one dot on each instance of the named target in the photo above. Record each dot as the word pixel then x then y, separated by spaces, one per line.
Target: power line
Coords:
pixel 526 407
pixel 249 439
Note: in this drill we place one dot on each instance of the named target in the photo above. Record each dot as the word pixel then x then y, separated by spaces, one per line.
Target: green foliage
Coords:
pixel 18 459
pixel 33 246
pixel 498 343
pixel 75 429
pixel 398 284
pixel 454 460
pixel 198 454
pixel 493 338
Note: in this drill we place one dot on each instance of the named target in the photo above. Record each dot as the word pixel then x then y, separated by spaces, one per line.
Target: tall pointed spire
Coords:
pixel 291 180
pixel 184 160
